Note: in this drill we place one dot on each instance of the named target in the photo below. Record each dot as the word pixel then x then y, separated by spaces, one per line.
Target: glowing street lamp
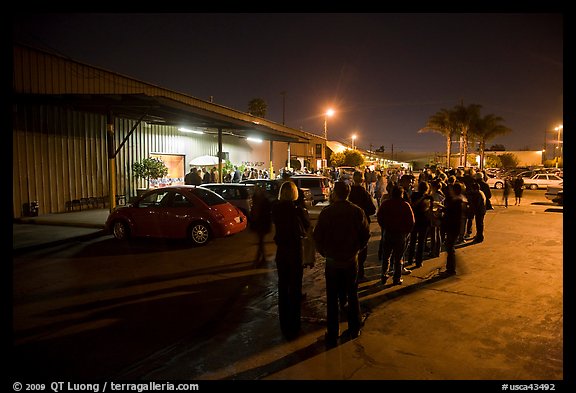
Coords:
pixel 353 140
pixel 559 128
pixel 329 113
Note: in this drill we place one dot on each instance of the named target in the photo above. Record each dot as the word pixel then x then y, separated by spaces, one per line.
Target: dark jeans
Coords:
pixel 435 240
pixel 393 246
pixel 451 238
pixel 289 297
pixel 479 218
pixel 362 255
pixel 416 245
pixel 339 280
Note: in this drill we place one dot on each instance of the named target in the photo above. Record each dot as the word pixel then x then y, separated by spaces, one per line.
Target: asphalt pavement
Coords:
pixel 499 319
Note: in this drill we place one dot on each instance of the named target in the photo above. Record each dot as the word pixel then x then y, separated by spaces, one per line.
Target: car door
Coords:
pixel 147 215
pixel 178 212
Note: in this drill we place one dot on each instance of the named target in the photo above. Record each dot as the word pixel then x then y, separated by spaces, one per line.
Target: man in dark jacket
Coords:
pixel 396 219
pixel 361 198
pixel 452 223
pixel 193 178
pixel 341 232
pixel 485 188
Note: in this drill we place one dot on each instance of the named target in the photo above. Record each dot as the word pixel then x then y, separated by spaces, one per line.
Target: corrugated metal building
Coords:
pixel 70 119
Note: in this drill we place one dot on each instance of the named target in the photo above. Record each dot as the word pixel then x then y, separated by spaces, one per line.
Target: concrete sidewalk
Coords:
pixel 32 233
pixel 499 318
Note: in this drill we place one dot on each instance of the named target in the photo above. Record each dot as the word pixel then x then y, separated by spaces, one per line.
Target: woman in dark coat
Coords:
pixel 291 223
pixel 518 188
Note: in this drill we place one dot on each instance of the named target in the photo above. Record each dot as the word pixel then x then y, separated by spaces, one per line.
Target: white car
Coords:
pixel 542 180
pixel 495 182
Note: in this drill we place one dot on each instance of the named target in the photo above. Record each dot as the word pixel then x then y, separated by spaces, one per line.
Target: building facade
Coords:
pixel 78 129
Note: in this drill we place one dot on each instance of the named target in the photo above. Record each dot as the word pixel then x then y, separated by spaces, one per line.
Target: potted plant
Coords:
pixel 149 169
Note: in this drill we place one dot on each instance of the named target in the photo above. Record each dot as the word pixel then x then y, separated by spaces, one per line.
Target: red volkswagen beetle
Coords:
pixel 177 212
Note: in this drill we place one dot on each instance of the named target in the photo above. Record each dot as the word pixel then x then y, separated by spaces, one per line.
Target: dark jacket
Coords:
pixel 192 178
pixel 341 231
pixel 291 223
pixel 396 215
pixel 361 198
pixel 453 213
pixel 421 205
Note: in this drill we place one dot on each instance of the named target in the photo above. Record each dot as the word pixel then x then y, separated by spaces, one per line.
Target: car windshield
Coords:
pixel 209 197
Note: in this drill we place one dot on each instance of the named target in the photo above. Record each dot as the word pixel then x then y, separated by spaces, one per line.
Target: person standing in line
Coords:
pixel 518 189
pixel 291 223
pixel 361 198
pixel 236 175
pixel 193 178
pixel 206 178
pixel 506 190
pixel 452 223
pixel 421 204
pixel 485 188
pixel 396 220
pixel 260 221
pixel 380 188
pixel 214 175
pixel 438 198
pixel 477 206
pixel 341 232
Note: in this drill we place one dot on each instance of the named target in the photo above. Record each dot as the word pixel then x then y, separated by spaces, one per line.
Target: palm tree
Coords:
pixel 465 117
pixel 443 122
pixel 487 128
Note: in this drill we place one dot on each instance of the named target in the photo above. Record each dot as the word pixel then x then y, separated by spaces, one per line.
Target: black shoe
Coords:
pixel 418 265
pixel 448 273
pixel 397 282
pixel 383 279
pixel 351 334
pixel 330 342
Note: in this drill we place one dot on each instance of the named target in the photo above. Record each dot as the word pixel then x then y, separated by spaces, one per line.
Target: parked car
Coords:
pixel 272 186
pixel 178 212
pixel 494 181
pixel 238 194
pixel 542 180
pixel 345 173
pixel 559 199
pixel 555 193
pixel 318 185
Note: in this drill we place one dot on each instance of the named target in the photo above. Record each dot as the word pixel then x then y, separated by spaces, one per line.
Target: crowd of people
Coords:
pixel 418 213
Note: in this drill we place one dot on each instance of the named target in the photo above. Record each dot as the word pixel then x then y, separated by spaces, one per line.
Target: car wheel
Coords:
pixel 498 185
pixel 199 233
pixel 121 230
pixel 533 186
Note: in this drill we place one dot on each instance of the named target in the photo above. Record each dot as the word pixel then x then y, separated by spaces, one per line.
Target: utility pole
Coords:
pixel 544 150
pixel 283 94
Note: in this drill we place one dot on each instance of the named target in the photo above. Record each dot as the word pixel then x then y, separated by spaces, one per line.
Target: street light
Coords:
pixel 329 113
pixel 353 140
pixel 559 128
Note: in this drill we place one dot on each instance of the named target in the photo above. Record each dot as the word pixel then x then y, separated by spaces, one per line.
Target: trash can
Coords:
pixel 30 209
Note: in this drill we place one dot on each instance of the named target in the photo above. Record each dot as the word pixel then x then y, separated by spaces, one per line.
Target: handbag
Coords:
pixel 308 249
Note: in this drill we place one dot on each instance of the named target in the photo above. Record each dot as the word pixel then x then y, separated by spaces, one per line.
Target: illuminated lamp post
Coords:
pixel 558 151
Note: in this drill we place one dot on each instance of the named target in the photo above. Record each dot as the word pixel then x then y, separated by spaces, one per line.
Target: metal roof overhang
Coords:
pixel 164 111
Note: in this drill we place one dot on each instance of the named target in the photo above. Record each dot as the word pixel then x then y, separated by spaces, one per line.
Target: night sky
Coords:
pixel 384 74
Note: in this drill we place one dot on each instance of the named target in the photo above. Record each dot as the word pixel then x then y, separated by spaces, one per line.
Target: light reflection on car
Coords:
pixel 177 212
